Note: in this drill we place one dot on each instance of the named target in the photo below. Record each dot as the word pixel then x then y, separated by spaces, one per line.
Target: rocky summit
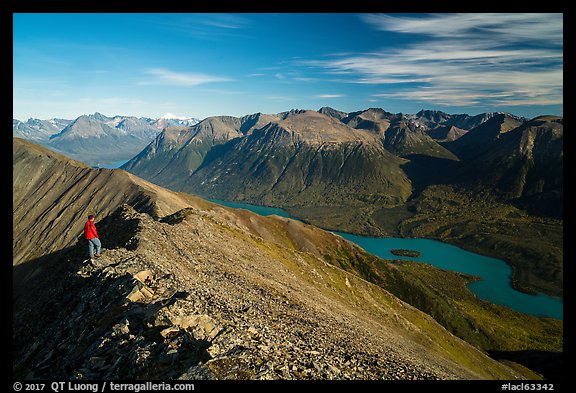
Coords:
pixel 187 289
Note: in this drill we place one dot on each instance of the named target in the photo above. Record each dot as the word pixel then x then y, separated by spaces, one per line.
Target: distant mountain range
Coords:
pixel 97 139
pixel 332 158
pixel 327 157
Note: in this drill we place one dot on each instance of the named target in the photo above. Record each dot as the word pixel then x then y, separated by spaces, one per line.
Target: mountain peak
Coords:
pixel 100 117
pixel 171 116
pixel 316 126
pixel 326 110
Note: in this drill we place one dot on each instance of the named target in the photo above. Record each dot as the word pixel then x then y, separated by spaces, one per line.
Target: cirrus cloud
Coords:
pixel 165 76
pixel 329 96
pixel 516 27
pixel 462 59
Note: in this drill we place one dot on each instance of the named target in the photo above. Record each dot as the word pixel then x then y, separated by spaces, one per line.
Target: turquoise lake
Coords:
pixel 494 286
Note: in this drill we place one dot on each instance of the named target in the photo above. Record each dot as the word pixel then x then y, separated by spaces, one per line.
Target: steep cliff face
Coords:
pixel 189 289
pixel 525 166
pixel 478 139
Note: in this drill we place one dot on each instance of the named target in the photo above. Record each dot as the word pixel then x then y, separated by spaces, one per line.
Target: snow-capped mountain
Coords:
pixel 170 119
pixel 97 139
pixel 38 130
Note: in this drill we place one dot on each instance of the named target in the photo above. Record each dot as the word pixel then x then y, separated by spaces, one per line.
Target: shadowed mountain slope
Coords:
pixel 405 138
pixel 523 166
pixel 326 110
pixel 478 139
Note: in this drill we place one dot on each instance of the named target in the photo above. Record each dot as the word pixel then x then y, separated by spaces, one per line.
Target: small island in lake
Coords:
pixel 405 253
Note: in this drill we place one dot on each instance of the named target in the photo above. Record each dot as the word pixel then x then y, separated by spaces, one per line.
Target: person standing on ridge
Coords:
pixel 92 237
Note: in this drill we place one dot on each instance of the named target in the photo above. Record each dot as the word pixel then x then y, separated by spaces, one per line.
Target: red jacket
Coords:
pixel 90 230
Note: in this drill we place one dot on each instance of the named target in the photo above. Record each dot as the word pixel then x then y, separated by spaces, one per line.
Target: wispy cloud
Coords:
pixel 213 27
pixel 329 96
pixel 509 27
pixel 226 21
pixel 464 59
pixel 164 76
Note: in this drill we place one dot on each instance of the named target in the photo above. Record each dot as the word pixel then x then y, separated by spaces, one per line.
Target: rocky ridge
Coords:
pixel 174 306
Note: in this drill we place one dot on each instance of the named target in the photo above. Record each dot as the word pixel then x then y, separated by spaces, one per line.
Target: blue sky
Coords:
pixel 200 65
